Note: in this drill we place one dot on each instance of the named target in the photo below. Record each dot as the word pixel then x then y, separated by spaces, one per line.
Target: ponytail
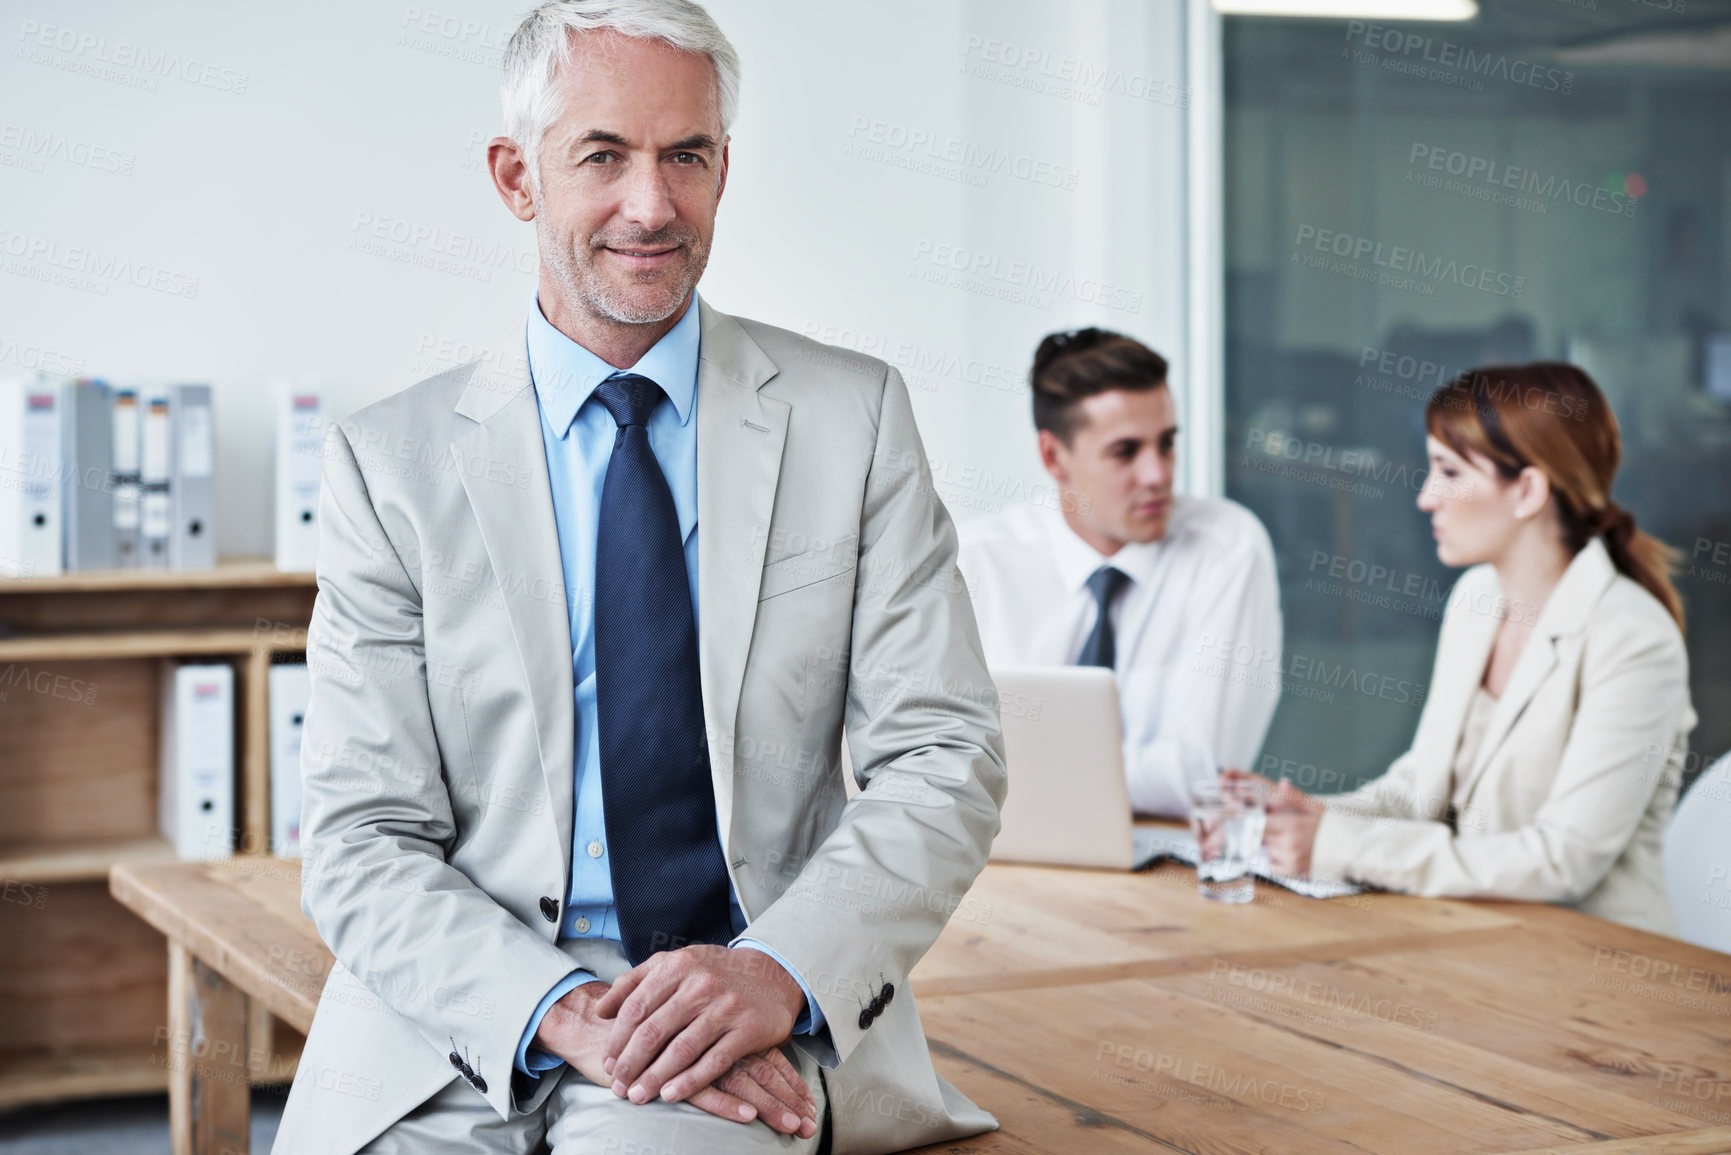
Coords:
pixel 1639 556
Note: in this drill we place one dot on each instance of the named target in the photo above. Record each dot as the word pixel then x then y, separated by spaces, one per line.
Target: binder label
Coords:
pixel 126 505
pixel 156 457
pixel 125 433
pixel 156 514
pixel 196 450
pixel 41 451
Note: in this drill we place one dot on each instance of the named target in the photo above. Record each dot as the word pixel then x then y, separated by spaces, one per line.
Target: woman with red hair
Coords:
pixel 1548 753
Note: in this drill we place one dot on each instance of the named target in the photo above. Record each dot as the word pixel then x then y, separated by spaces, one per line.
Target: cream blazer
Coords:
pixel 1577 774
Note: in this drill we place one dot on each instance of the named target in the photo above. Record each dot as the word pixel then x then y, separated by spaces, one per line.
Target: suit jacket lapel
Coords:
pixel 740 434
pixel 1565 612
pixel 522 541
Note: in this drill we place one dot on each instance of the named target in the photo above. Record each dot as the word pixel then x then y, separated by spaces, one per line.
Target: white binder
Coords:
pixel 299 441
pixel 155 472
pixel 196 796
pixel 30 477
pixel 123 473
pixel 191 542
pixel 86 418
pixel 290 687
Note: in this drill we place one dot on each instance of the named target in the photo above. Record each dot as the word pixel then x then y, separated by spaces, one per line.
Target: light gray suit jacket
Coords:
pixel 437 751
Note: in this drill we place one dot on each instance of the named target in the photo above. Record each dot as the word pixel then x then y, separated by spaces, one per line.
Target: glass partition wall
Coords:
pixel 1407 200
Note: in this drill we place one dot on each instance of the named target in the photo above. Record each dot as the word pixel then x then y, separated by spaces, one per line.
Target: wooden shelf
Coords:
pixel 230 573
pixel 78 862
pixel 95 1072
pixel 83 982
pixel 147 644
pixel 28 1077
pixel 231 595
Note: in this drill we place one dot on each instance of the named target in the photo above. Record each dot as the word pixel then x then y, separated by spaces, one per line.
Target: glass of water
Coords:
pixel 1227 816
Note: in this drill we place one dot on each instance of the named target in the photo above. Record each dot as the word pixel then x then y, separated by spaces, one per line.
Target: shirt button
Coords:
pixel 595 849
pixel 581 926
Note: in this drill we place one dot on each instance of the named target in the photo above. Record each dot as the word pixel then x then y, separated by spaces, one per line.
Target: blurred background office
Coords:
pixel 1564 191
pixel 1317 220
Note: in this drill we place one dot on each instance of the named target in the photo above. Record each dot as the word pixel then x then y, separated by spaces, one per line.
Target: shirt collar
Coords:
pixel 565 373
pixel 1077 560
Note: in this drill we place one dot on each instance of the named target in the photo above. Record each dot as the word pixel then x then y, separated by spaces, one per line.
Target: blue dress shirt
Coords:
pixel 579 442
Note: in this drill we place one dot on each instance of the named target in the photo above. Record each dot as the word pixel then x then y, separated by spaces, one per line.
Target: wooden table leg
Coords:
pixel 208 1082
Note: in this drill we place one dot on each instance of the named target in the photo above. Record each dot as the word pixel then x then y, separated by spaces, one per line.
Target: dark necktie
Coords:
pixel 670 884
pixel 1101 648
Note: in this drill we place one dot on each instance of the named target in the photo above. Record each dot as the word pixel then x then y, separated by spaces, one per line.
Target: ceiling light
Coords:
pixel 1352 9
pixel 1671 48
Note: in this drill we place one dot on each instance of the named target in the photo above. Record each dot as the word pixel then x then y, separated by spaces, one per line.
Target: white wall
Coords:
pixel 257 144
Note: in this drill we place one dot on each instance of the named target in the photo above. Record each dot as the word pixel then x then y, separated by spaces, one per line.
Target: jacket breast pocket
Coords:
pixel 796 571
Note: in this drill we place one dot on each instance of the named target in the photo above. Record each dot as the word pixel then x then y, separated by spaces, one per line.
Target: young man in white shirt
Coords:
pixel 1191 621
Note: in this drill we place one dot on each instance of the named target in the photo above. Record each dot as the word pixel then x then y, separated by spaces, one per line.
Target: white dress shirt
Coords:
pixel 1206 590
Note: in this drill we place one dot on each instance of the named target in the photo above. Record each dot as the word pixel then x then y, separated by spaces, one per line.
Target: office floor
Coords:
pixel 132 1126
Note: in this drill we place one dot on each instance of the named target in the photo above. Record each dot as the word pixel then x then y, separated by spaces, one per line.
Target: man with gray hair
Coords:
pixel 574 820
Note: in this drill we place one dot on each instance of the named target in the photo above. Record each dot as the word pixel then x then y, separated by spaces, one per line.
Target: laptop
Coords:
pixel 1063 743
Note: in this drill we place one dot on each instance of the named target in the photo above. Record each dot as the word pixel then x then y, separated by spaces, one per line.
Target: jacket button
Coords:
pixel 480 1084
pixel 456 1060
pixel 865 1019
pixel 877 1007
pixel 888 993
pixel 549 910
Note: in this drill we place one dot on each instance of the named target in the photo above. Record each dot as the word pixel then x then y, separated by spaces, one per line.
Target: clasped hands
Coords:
pixel 702 1024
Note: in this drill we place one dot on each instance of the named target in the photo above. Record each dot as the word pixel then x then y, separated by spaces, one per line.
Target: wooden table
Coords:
pixel 1103 1013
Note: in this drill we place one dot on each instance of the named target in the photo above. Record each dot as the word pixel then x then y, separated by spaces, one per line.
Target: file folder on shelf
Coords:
pixel 86 415
pixel 124 475
pixel 30 489
pixel 290 687
pixel 196 792
pixel 191 543
pixel 155 471
pixel 299 441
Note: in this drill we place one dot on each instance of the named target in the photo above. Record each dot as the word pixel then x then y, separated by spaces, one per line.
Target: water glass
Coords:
pixel 1227 816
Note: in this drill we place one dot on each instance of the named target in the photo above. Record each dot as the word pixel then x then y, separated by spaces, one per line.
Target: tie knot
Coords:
pixel 1105 582
pixel 629 397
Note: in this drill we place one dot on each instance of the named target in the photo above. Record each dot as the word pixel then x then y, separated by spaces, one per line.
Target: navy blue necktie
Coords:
pixel 1101 648
pixel 670 885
